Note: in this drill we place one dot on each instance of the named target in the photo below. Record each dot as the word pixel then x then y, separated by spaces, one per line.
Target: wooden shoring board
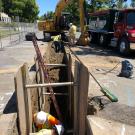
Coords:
pixel 70 79
pixel 83 99
pixel 81 77
pixel 75 116
pixel 23 100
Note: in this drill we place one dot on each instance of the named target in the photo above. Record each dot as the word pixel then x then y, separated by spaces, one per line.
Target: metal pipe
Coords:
pixel 49 84
pixel 59 65
pixel 60 94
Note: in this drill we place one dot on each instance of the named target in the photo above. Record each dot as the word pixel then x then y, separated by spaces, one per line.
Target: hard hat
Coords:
pixel 41 117
pixel 70 24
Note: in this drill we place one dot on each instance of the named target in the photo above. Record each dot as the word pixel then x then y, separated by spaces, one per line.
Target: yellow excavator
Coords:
pixel 53 27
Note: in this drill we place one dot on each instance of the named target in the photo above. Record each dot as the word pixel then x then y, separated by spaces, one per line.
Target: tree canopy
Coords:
pixel 26 10
pixel 1 6
pixel 73 9
pixel 133 3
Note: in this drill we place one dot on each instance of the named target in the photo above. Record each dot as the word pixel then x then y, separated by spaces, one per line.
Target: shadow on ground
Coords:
pixel 102 51
pixel 11 106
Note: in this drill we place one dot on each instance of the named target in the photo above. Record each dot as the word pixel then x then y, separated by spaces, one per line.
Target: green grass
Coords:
pixel 2 24
pixel 6 33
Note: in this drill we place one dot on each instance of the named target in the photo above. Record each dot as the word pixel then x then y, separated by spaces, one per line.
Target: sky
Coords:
pixel 49 5
pixel 46 5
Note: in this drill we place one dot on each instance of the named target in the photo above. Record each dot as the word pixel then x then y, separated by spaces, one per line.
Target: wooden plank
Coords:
pixel 76 75
pixel 27 97
pixel 19 88
pixel 82 99
pixel 70 87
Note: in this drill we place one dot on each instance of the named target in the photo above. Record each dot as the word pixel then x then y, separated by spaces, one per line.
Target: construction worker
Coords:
pixel 57 43
pixel 72 33
pixel 43 120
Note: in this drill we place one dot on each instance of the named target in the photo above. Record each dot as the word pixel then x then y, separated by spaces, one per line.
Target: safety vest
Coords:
pixel 49 123
pixel 56 38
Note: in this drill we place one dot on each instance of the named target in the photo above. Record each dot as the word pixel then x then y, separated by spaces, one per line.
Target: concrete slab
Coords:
pixel 99 126
pixel 8 124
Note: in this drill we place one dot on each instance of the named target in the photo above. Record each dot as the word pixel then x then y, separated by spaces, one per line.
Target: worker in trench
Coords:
pixel 59 47
pixel 46 124
pixel 72 34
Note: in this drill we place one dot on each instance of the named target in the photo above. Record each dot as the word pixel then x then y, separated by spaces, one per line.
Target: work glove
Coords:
pixel 60 129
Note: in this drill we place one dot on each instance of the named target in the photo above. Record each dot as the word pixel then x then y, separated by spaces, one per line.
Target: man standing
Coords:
pixel 72 33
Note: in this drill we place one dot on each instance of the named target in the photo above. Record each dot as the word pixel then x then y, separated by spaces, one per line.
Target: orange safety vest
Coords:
pixel 49 123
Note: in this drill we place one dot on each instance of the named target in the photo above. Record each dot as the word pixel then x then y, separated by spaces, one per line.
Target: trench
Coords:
pixel 58 74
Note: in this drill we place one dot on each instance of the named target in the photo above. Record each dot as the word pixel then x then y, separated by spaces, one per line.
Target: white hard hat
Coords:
pixel 70 24
pixel 41 117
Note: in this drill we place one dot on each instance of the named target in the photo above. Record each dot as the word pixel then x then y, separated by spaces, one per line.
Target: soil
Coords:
pixel 57 74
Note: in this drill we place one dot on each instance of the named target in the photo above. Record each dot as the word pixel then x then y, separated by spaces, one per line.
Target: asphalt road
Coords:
pixel 11 57
pixel 99 60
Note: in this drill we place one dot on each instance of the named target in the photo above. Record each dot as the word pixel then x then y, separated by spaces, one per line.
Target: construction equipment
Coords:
pixel 53 26
pixel 115 28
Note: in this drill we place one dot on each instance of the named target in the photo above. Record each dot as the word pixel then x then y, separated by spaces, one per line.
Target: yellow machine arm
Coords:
pixel 52 26
pixel 81 9
pixel 60 7
pixel 49 25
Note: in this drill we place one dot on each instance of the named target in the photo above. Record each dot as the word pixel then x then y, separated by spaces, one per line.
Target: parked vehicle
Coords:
pixel 114 28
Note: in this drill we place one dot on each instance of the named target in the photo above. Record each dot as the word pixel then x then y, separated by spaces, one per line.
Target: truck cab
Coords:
pixel 114 28
pixel 124 30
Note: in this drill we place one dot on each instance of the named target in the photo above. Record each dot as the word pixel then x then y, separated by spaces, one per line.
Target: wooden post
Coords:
pixel 82 99
pixel 70 87
pixel 81 77
pixel 76 80
pixel 23 100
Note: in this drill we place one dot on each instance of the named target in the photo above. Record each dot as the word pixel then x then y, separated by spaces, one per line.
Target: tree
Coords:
pixel 133 3
pixel 73 9
pixel 96 5
pixel 41 18
pixel 31 11
pixel 125 6
pixel 49 15
pixel 27 10
pixel 1 6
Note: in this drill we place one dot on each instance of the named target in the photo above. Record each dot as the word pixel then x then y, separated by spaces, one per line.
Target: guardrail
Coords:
pixel 14 33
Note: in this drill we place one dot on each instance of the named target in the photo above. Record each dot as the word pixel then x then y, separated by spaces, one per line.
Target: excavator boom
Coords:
pixel 51 25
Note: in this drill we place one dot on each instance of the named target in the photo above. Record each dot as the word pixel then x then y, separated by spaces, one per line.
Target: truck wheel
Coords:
pixel 102 40
pixel 124 47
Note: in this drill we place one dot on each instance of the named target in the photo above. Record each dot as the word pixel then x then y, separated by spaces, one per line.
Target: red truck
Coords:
pixel 114 28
